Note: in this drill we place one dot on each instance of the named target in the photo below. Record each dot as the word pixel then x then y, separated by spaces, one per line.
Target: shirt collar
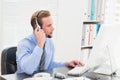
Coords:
pixel 35 40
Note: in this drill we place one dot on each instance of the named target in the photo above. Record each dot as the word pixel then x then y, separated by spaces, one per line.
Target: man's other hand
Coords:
pixel 74 63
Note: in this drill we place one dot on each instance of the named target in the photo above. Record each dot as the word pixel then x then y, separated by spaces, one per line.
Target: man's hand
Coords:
pixel 40 35
pixel 73 63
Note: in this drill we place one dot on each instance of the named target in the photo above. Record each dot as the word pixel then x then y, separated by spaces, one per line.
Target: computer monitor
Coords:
pixel 106 49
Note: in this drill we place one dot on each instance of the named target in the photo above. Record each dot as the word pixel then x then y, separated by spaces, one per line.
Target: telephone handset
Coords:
pixel 38 26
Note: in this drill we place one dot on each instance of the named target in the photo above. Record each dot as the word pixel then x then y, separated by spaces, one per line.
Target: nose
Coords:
pixel 52 28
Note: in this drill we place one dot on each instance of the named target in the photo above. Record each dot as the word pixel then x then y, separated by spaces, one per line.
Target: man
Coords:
pixel 32 49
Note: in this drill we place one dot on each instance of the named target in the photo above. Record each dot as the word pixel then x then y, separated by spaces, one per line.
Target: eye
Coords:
pixel 49 25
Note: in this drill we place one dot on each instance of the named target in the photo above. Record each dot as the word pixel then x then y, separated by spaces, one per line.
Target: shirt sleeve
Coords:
pixel 27 60
pixel 55 64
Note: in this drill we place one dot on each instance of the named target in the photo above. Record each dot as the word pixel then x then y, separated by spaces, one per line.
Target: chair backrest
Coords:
pixel 8 61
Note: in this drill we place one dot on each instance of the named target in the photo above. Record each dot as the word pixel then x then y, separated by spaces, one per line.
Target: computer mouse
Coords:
pixel 59 75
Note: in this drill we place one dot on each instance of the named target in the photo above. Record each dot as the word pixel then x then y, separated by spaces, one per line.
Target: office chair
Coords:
pixel 8 60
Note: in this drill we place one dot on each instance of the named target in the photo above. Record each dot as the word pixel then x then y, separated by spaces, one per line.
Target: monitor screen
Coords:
pixel 106 50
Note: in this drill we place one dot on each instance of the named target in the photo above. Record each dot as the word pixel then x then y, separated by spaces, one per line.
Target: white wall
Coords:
pixel 0 30
pixel 0 23
pixel 70 17
pixel 110 15
pixel 15 19
pixel 67 16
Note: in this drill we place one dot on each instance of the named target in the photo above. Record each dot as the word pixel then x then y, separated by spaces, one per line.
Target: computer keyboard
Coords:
pixel 78 71
pixel 77 78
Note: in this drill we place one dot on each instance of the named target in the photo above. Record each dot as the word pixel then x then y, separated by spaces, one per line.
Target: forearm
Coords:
pixel 56 64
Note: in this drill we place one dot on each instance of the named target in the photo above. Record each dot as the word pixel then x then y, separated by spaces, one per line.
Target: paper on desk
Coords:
pixel 77 78
pixel 39 78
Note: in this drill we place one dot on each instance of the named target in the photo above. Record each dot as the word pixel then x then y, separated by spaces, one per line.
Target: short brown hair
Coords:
pixel 39 15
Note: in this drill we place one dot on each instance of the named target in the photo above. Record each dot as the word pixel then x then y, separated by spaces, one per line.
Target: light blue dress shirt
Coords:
pixel 29 54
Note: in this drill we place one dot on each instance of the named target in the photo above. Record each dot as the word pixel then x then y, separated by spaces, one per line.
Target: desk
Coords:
pixel 22 76
pixel 64 70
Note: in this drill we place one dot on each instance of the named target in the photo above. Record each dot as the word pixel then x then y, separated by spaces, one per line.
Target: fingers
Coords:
pixel 74 63
pixel 37 29
pixel 82 64
pixel 70 64
pixel 40 36
pixel 39 32
pixel 78 63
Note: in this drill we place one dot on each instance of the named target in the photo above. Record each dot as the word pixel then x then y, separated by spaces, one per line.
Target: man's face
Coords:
pixel 47 26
